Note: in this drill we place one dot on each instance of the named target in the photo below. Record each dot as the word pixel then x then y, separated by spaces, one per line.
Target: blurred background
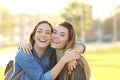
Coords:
pixel 97 23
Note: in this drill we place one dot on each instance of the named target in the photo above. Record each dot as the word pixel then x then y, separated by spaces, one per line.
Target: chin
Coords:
pixel 53 46
pixel 43 46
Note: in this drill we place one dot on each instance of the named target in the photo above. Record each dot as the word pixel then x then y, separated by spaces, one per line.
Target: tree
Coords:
pixel 6 21
pixel 52 18
pixel 78 13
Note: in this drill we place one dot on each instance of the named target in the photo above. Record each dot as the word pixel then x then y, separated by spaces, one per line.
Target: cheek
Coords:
pixel 64 42
pixel 49 37
pixel 46 35
pixel 36 35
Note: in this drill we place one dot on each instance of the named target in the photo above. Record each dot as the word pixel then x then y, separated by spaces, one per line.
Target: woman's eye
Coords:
pixel 48 32
pixel 62 35
pixel 39 31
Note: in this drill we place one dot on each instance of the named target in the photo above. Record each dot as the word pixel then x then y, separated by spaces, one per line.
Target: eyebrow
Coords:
pixel 60 32
pixel 42 29
pixel 63 32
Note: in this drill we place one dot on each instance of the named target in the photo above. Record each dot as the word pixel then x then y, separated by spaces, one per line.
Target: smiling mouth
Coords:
pixel 56 42
pixel 43 41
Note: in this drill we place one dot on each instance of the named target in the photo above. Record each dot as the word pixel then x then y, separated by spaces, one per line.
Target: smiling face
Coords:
pixel 42 35
pixel 59 37
pixel 63 36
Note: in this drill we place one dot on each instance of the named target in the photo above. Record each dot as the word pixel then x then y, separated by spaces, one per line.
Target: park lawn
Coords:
pixel 104 64
pixel 7 50
pixel 2 73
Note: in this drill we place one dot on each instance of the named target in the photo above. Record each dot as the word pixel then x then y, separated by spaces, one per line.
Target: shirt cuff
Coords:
pixel 48 76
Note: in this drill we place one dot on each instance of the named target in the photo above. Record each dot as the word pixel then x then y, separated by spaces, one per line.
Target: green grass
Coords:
pixel 2 73
pixel 7 50
pixel 104 64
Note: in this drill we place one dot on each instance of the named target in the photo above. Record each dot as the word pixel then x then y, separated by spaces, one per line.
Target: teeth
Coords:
pixel 42 40
pixel 55 41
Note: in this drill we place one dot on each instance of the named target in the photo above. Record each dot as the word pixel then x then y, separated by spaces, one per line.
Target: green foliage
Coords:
pixel 53 19
pixel 78 13
pixel 108 26
pixel 6 21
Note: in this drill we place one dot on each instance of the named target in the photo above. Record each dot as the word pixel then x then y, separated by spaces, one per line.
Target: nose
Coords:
pixel 43 34
pixel 55 36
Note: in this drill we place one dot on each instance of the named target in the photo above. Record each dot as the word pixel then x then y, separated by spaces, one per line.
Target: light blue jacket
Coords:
pixel 34 68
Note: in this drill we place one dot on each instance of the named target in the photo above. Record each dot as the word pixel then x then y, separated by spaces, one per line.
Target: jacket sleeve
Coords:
pixel 31 66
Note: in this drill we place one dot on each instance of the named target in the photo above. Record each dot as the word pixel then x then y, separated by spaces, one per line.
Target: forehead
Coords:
pixel 44 26
pixel 61 29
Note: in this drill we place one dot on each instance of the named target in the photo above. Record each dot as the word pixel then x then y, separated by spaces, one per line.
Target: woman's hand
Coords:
pixel 70 55
pixel 72 65
pixel 26 47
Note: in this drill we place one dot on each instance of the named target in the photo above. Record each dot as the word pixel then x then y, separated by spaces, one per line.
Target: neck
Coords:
pixel 39 51
pixel 59 54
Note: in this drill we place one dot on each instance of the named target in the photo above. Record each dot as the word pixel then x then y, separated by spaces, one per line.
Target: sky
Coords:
pixel 101 8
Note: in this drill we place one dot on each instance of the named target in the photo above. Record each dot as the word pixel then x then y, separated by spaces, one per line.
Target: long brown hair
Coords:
pixel 82 71
pixel 32 41
pixel 71 37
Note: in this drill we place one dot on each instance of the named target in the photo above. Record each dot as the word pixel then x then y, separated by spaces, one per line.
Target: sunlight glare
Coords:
pixel 100 8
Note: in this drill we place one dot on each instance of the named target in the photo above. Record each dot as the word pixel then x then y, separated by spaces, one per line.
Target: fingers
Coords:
pixel 23 48
pixel 26 48
pixel 70 55
pixel 69 67
pixel 76 55
pixel 72 65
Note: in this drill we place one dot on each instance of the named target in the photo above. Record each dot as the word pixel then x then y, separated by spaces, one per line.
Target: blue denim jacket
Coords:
pixel 34 68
